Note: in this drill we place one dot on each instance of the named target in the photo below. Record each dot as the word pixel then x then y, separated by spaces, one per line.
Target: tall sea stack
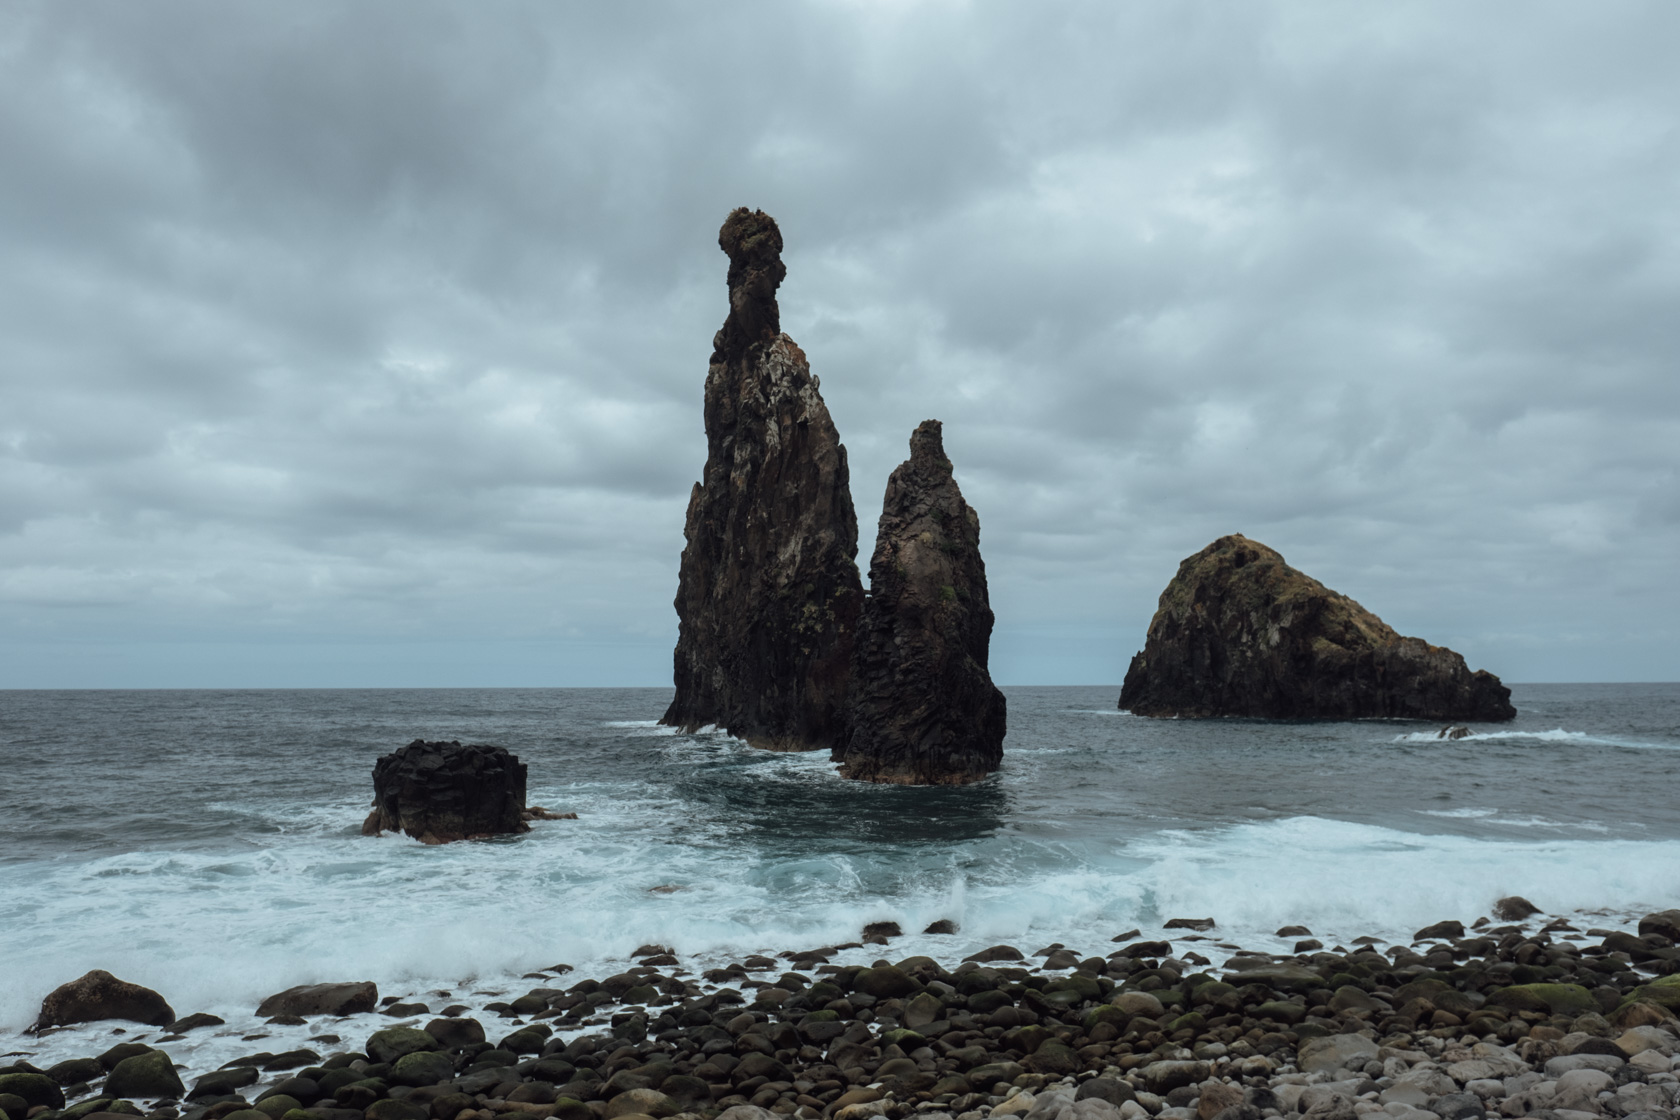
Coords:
pixel 769 594
pixel 923 709
pixel 1241 633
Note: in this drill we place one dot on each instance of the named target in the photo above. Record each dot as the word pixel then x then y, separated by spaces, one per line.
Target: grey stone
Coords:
pixel 1457 1106
pixel 1579 1088
pixel 1337 1051
pixel 1557 1067
pixel 1639 1097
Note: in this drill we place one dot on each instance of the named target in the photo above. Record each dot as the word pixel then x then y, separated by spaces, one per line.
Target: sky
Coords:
pixel 362 344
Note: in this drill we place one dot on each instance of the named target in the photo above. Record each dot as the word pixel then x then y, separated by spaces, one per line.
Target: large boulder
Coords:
pixel 148 1076
pixel 768 595
pixel 349 998
pixel 922 708
pixel 99 995
pixel 1240 633
pixel 441 792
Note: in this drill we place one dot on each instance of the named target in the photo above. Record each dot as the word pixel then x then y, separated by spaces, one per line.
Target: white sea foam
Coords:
pixel 219 931
pixel 1554 735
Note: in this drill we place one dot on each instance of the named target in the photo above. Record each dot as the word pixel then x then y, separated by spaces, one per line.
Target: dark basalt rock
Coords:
pixel 441 792
pixel 923 709
pixel 348 998
pixel 1241 633
pixel 99 995
pixel 769 594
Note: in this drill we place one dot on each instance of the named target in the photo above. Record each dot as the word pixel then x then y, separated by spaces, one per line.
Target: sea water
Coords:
pixel 208 845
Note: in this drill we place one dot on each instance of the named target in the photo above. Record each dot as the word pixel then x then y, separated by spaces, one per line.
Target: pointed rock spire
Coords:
pixel 768 596
pixel 922 708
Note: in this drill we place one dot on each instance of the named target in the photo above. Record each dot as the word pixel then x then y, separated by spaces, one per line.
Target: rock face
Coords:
pixel 923 709
pixel 769 594
pixel 440 792
pixel 1241 633
pixel 99 995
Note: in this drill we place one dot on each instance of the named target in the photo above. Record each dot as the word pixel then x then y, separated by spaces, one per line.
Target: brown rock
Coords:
pixel 1216 1098
pixel 1241 633
pixel 768 596
pixel 1514 909
pixel 349 998
pixel 1664 922
pixel 99 995
pixel 922 708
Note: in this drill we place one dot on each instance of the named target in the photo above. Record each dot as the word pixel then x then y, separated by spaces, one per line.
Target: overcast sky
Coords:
pixel 363 344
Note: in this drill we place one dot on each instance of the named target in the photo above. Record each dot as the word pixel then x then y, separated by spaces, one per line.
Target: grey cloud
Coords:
pixel 349 323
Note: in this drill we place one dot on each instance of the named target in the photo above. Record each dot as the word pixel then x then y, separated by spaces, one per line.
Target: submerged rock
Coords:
pixel 1241 633
pixel 99 995
pixel 441 792
pixel 768 596
pixel 923 709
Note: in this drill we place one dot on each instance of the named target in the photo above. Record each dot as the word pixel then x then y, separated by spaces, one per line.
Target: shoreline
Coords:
pixel 1144 1028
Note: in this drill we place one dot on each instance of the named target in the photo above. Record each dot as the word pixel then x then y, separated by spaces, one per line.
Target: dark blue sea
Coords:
pixel 207 844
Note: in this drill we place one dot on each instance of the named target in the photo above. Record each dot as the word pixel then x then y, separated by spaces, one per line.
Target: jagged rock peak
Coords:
pixel 769 594
pixel 922 708
pixel 754 244
pixel 1240 633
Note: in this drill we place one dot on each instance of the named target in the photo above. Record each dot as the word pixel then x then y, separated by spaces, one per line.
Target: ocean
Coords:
pixel 207 844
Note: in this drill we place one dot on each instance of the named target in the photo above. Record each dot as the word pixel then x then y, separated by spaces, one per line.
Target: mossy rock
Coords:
pixel 1216 993
pixel 423 1067
pixel 984 1003
pixel 35 1089
pixel 1194 1021
pixel 642 994
pixel 904 1038
pixel 565 1108
pixel 1281 1011
pixel 246 1114
pixel 1556 999
pixel 1664 992
pixel 822 992
pixel 823 1016
pixel 1084 987
pixel 388 1045
pixel 300 1114
pixel 77 1111
pixel 13 1105
pixel 148 1076
pixel 277 1106
pixel 1107 1013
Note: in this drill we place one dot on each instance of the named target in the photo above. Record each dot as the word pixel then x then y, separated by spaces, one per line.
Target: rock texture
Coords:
pixel 349 998
pixel 923 709
pixel 1241 633
pixel 769 594
pixel 441 792
pixel 99 995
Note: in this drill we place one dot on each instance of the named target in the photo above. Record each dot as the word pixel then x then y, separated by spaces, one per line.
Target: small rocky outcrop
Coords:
pixel 769 594
pixel 99 995
pixel 442 792
pixel 350 998
pixel 923 709
pixel 1241 633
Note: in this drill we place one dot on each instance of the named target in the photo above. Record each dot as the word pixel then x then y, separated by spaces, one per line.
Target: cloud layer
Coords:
pixel 363 344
